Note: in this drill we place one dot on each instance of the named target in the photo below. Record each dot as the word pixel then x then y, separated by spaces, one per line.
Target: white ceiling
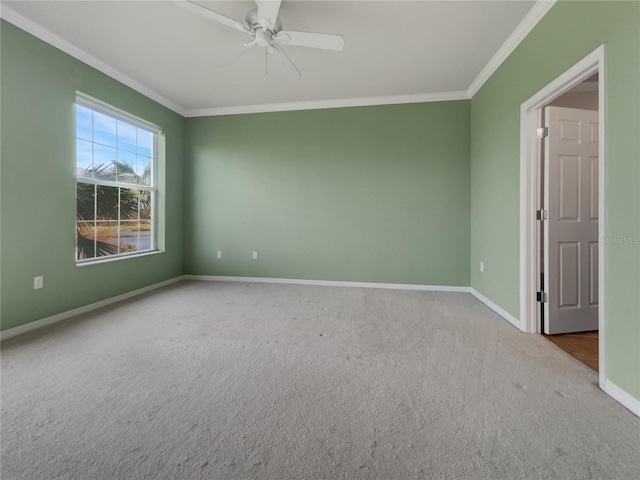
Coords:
pixel 395 51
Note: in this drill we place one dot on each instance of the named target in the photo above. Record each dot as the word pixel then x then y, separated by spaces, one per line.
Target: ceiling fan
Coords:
pixel 265 28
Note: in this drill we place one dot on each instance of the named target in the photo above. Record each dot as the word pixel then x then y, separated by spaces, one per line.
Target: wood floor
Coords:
pixel 582 345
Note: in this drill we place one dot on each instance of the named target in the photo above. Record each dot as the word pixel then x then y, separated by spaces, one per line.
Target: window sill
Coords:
pixel 118 258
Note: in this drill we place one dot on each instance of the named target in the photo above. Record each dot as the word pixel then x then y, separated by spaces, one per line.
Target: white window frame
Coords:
pixel 113 112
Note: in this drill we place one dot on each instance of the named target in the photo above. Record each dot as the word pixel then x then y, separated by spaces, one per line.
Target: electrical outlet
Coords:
pixel 481 267
pixel 38 282
pixel 218 254
pixel 255 255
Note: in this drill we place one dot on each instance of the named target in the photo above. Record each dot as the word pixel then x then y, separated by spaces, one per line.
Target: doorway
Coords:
pixel 555 297
pixel 569 233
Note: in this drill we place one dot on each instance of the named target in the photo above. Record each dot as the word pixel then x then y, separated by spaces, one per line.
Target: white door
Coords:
pixel 571 232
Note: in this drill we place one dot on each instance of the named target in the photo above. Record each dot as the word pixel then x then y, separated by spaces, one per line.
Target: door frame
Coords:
pixel 530 198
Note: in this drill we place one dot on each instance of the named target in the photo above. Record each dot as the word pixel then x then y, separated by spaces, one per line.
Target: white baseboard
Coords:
pixel 622 397
pixel 28 327
pixel 496 308
pixel 328 283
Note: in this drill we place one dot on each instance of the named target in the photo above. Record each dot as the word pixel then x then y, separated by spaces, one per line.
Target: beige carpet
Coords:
pixel 250 381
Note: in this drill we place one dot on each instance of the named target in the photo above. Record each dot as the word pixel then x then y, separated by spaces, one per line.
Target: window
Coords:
pixel 115 182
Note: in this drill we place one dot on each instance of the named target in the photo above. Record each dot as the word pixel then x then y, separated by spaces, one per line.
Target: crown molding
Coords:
pixel 537 12
pixel 46 36
pixel 523 29
pixel 322 104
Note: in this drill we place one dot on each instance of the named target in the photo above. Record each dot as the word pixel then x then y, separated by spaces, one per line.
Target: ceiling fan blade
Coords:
pixel 211 15
pixel 268 12
pixel 325 41
pixel 284 63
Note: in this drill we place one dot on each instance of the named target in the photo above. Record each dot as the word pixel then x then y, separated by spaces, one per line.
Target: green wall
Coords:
pixel 569 32
pixel 38 184
pixel 368 194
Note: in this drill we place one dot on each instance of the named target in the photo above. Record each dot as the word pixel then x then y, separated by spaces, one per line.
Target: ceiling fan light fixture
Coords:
pixel 263 37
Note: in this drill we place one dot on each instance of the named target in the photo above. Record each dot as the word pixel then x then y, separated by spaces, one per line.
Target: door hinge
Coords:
pixel 542 132
pixel 542 215
pixel 542 297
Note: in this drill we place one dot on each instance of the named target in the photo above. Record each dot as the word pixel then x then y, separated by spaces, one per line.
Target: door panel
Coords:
pixel 569 189
pixel 569 275
pixel 571 233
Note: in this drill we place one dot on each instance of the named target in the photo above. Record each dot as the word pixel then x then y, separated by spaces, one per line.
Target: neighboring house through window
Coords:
pixel 116 161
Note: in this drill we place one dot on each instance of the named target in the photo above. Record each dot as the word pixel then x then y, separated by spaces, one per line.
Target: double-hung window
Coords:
pixel 116 162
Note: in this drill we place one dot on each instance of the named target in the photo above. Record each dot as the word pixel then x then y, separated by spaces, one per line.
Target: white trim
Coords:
pixel 116 257
pixel 323 104
pixel 602 225
pixel 114 183
pixel 45 35
pixel 626 399
pixel 328 283
pixel 529 192
pixel 496 308
pixel 529 229
pixel 28 327
pixel 523 29
pixel 97 105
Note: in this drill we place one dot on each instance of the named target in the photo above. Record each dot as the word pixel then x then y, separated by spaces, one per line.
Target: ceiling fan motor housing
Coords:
pixel 254 23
